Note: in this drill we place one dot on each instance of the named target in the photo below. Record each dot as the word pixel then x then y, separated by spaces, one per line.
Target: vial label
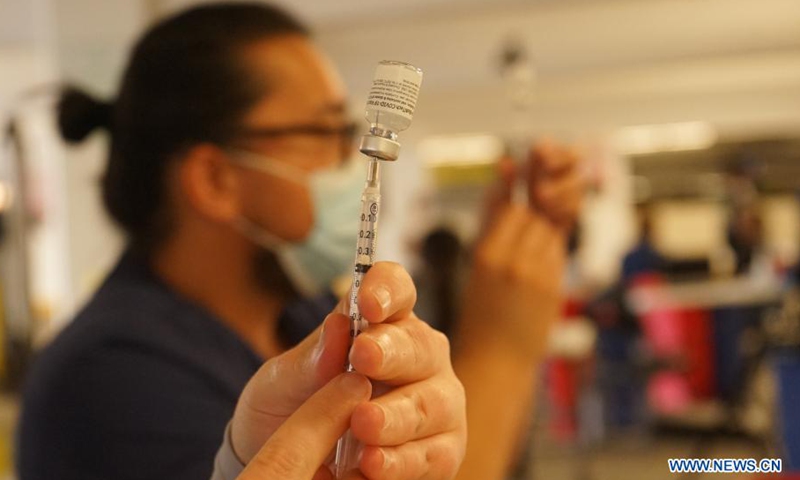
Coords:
pixel 395 89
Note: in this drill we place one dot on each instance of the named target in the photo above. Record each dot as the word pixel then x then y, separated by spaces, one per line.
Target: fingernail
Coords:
pixel 386 462
pixel 385 419
pixel 384 298
pixel 352 356
pixel 354 382
pixel 323 332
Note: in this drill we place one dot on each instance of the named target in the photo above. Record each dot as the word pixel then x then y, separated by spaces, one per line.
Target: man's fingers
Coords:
pixel 527 257
pixel 506 176
pixel 283 383
pixel 549 159
pixel 410 413
pixel 497 247
pixel 387 293
pixel 559 198
pixel 555 182
pixel 432 458
pixel 542 245
pixel 289 379
pixel 397 353
pixel 298 448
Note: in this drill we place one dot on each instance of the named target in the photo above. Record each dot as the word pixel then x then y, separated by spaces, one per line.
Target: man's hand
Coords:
pixel 298 448
pixel 514 291
pixel 556 183
pixel 553 179
pixel 512 299
pixel 416 430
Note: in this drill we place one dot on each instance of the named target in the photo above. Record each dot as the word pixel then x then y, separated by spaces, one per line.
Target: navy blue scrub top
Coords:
pixel 140 385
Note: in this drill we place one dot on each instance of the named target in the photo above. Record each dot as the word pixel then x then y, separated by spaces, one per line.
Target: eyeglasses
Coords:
pixel 346 133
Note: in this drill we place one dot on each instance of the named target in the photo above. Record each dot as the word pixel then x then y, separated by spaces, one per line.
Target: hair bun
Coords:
pixel 79 114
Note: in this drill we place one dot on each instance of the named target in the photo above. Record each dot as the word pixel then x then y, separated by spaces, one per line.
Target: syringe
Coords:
pixel 519 74
pixel 390 108
pixel 366 243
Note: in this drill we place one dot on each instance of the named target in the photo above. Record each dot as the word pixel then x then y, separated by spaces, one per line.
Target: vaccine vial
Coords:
pixel 390 107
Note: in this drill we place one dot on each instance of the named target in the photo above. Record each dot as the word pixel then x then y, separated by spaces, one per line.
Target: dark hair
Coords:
pixel 186 82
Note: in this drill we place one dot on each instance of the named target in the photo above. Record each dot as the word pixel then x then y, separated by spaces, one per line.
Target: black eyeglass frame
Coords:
pixel 347 133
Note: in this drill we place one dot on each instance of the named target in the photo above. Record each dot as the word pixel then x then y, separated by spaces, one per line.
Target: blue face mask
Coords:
pixel 328 251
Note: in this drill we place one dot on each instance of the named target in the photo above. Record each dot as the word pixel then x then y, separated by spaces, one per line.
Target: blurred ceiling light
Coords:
pixel 460 150
pixel 668 137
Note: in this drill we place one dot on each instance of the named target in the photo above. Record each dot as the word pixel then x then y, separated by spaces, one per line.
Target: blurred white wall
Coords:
pixel 42 43
pixel 780 214
pixel 27 58
pixel 28 67
pixel 689 229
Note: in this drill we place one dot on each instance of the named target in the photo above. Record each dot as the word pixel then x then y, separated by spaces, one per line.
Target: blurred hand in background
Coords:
pixel 512 299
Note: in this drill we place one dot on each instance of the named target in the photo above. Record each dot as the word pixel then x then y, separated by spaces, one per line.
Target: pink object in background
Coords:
pixel 668 392
pixel 682 341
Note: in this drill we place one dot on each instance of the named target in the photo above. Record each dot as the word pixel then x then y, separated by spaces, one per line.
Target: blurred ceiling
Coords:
pixel 563 35
pixel 600 63
pixel 323 14
pixel 24 23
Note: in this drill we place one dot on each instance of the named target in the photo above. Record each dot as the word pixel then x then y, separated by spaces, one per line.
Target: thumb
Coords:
pixel 299 447
pixel 285 382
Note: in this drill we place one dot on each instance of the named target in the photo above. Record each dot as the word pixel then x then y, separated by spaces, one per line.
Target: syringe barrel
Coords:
pixel 392 98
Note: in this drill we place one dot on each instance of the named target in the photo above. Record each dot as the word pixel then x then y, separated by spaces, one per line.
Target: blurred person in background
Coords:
pixel 440 279
pixel 745 239
pixel 643 259
pixel 621 363
pixel 228 173
pixel 745 232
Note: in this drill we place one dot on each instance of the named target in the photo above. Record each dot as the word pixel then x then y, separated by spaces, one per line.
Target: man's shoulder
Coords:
pixel 140 339
pixel 101 389
pixel 113 318
pixel 137 309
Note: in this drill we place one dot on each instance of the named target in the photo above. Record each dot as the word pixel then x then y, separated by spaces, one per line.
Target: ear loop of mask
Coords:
pixel 265 164
pixel 282 250
pixel 256 233
pixel 259 235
